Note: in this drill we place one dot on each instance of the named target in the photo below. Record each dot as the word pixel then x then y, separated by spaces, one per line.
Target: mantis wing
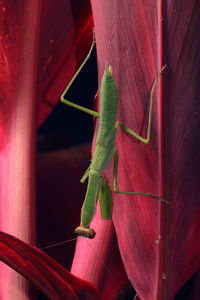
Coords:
pixel 105 201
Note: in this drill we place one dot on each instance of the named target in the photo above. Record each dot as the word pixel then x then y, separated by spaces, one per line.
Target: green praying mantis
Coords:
pixel 105 149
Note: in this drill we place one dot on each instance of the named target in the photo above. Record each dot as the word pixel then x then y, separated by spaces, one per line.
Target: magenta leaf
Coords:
pixel 64 39
pixel 41 45
pixel 158 242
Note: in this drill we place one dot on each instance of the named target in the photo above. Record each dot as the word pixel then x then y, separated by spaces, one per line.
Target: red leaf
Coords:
pixel 65 37
pixel 158 242
pixel 43 271
pixel 38 55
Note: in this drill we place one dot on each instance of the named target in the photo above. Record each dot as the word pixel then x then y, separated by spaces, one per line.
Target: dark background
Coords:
pixel 63 154
pixel 67 126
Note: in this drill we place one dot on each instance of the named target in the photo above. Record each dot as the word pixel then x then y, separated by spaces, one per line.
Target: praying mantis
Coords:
pixel 105 149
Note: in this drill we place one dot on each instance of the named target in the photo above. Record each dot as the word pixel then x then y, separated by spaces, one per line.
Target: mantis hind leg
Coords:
pixel 79 107
pixel 115 189
pixel 105 201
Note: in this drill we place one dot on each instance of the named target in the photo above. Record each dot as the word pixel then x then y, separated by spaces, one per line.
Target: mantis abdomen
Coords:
pixel 89 206
pixel 104 148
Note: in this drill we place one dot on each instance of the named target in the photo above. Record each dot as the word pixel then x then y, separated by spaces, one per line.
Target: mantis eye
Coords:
pixel 110 70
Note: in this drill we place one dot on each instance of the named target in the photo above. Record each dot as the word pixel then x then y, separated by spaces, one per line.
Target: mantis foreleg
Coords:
pixel 141 139
pixel 79 107
pixel 130 131
pixel 85 175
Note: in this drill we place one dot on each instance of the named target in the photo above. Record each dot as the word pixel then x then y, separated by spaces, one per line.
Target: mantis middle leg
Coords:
pixel 141 139
pixel 129 193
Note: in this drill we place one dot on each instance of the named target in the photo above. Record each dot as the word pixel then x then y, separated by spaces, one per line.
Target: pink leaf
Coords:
pixel 98 260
